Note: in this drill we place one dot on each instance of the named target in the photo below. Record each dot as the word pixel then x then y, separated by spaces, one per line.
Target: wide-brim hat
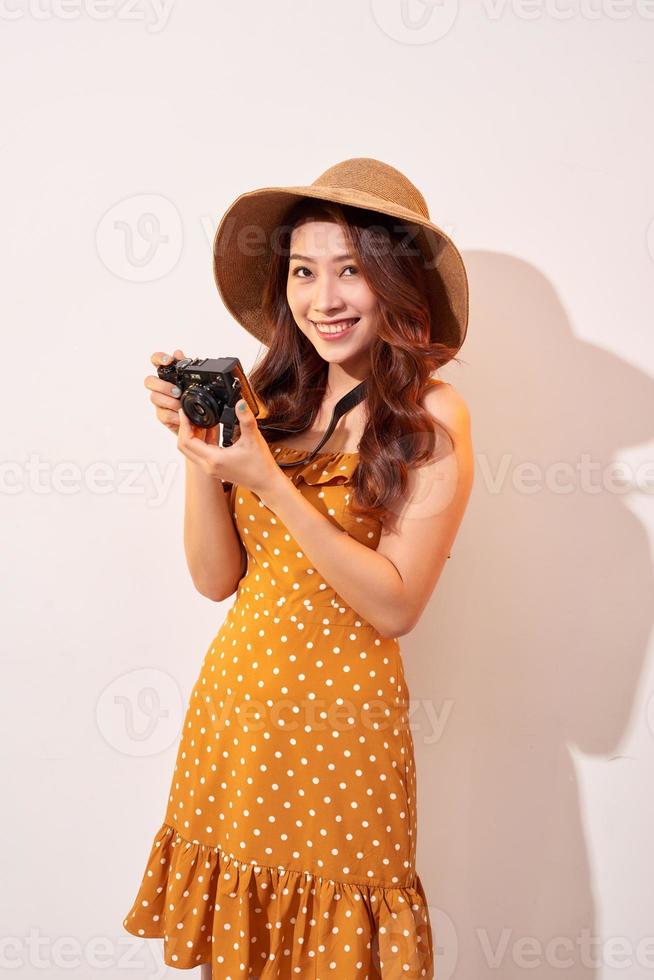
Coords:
pixel 245 238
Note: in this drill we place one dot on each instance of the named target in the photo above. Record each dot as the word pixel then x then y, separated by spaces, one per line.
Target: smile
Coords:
pixel 330 331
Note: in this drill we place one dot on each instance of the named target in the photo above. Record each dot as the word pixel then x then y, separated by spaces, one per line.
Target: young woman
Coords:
pixel 289 839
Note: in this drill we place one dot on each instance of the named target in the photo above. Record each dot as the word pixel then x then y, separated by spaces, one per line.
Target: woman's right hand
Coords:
pixel 167 401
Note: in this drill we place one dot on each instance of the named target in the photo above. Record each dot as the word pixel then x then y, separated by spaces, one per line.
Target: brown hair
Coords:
pixel 291 378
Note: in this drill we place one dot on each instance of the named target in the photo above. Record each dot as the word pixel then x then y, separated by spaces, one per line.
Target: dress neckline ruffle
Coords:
pixel 280 447
pixel 332 466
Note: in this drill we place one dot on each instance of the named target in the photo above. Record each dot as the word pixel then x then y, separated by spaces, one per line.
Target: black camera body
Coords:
pixel 211 387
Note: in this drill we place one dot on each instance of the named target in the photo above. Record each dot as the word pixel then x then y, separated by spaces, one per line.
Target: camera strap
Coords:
pixel 343 405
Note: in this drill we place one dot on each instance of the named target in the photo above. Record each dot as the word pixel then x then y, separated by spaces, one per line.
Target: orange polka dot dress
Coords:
pixel 288 843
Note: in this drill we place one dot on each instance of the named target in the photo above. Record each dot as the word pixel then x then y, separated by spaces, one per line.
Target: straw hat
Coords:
pixel 246 234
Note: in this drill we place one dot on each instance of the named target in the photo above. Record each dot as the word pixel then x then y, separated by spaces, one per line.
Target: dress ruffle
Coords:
pixel 329 467
pixel 252 920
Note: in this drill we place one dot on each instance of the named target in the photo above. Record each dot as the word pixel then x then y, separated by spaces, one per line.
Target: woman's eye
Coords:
pixel 302 268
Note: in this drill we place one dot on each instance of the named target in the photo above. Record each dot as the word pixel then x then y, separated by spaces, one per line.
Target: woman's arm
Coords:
pixel 214 553
pixel 390 587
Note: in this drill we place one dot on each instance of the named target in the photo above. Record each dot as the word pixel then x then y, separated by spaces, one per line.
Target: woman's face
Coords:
pixel 326 291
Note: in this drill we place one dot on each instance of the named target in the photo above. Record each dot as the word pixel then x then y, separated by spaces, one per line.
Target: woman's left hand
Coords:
pixel 248 461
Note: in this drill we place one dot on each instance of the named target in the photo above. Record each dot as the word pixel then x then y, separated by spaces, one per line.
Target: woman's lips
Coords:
pixel 325 335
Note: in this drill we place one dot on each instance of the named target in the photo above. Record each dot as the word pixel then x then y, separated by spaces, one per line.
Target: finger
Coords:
pixel 244 417
pixel 211 438
pixel 160 357
pixel 167 417
pixel 192 446
pixel 197 431
pixel 155 383
pixel 164 401
pixel 187 441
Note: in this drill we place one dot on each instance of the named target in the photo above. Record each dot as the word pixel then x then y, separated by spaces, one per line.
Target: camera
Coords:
pixel 211 387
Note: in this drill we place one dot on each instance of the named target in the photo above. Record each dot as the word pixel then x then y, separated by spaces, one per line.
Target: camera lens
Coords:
pixel 201 407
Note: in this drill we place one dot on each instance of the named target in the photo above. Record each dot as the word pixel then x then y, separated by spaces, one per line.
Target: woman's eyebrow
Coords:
pixel 307 258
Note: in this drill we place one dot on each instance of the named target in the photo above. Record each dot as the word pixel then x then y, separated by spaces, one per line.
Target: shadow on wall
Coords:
pixel 533 644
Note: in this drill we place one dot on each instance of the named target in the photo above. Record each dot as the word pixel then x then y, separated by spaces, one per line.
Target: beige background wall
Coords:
pixel 126 130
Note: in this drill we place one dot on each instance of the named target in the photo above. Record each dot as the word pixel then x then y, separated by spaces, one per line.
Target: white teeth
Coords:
pixel 336 328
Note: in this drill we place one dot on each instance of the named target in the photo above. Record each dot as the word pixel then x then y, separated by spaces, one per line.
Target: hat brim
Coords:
pixel 242 249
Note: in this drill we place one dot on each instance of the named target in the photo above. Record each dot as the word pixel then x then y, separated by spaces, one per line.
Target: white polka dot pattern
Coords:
pixel 288 844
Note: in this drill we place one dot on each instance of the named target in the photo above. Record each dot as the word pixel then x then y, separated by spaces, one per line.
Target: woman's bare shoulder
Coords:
pixel 447 406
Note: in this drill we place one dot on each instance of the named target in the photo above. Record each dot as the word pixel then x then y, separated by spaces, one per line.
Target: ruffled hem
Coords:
pixel 253 920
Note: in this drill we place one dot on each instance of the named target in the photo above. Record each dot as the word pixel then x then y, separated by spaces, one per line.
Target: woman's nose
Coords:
pixel 326 295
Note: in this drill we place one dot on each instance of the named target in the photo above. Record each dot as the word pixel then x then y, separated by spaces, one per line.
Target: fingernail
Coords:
pixel 165 358
pixel 176 392
pixel 242 406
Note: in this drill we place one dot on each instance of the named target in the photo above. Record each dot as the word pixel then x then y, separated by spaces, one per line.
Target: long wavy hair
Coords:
pixel 290 380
